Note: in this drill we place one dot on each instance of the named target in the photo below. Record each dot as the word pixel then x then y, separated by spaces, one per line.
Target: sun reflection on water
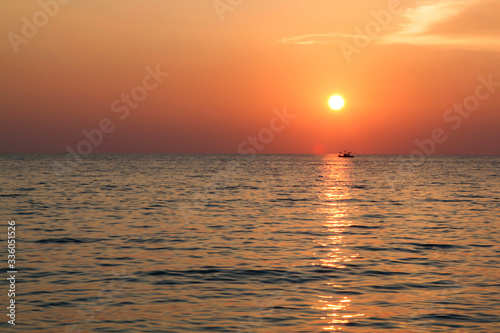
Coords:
pixel 336 178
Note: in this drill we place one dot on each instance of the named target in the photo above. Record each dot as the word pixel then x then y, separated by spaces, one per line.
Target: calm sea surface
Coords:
pixel 283 243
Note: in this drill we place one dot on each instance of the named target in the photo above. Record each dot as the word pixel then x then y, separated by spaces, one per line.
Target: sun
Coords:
pixel 336 102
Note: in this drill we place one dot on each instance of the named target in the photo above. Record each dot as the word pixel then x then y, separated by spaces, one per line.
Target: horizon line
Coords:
pixel 139 153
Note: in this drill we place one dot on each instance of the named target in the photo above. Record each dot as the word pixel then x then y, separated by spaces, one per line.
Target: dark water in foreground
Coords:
pixel 285 243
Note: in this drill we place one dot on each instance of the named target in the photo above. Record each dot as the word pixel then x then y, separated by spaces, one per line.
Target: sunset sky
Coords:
pixel 229 66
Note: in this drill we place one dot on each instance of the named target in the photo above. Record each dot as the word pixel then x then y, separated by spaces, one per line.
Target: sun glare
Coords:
pixel 336 102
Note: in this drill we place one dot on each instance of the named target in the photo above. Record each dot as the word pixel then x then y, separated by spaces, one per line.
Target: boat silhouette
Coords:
pixel 345 154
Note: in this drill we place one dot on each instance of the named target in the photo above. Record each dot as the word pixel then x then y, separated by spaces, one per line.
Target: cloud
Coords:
pixel 310 39
pixel 459 24
pixel 466 24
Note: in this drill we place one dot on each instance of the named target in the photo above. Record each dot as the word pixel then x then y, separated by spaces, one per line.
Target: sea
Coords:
pixel 241 243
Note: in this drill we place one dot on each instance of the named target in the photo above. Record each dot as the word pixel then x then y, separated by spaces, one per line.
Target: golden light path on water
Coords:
pixel 336 175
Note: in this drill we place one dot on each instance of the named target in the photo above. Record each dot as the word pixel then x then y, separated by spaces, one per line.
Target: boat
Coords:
pixel 345 154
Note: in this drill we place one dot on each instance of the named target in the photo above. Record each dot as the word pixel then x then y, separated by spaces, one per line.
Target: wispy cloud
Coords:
pixel 313 39
pixel 421 18
pixel 460 24
pixel 468 24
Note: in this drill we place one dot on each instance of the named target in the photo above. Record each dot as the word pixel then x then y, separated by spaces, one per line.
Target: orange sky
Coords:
pixel 226 76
